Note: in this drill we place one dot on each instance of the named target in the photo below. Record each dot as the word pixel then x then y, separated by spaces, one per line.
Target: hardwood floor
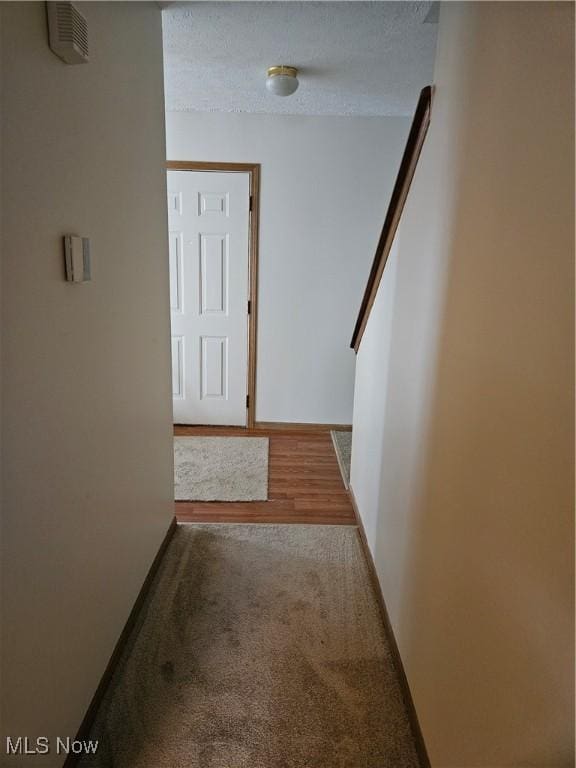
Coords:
pixel 304 484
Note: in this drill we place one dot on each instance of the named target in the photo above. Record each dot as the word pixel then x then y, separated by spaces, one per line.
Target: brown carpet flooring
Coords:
pixel 259 646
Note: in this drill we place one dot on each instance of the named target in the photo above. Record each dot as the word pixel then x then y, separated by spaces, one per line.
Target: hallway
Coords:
pixel 260 645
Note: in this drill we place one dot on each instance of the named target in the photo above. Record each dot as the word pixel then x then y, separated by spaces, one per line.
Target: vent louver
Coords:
pixel 68 32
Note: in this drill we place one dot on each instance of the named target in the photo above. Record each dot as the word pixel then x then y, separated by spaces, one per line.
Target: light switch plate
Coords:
pixel 77 259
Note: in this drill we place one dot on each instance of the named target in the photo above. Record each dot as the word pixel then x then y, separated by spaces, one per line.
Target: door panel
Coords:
pixel 175 254
pixel 177 367
pixel 214 375
pixel 213 274
pixel 208 215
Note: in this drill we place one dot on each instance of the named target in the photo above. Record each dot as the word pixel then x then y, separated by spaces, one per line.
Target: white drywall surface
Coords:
pixel 372 372
pixel 87 475
pixel 462 457
pixel 326 183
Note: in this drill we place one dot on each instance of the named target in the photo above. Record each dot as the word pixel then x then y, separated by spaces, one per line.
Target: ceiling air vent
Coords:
pixel 68 32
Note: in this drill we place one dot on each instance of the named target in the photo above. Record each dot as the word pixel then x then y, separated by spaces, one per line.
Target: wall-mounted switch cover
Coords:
pixel 77 259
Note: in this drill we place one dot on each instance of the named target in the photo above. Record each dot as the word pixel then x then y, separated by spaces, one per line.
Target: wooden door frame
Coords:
pixel 253 171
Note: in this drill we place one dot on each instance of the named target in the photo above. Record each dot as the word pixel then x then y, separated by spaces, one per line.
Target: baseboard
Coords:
pixel 421 751
pixel 87 722
pixel 287 425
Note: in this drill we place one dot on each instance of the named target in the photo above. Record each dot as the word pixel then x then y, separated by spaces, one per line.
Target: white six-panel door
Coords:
pixel 208 217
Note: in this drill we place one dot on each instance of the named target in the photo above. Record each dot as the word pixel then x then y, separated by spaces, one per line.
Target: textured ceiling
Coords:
pixel 355 58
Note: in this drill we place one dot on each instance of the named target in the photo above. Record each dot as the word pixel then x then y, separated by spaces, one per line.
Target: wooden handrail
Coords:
pixel 408 164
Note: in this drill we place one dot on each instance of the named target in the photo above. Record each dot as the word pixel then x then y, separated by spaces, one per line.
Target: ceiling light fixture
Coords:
pixel 282 80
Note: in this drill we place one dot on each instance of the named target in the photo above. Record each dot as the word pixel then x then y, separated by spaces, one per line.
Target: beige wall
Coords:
pixel 86 383
pixel 471 522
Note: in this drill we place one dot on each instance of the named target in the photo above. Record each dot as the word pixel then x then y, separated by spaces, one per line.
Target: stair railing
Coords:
pixel 408 164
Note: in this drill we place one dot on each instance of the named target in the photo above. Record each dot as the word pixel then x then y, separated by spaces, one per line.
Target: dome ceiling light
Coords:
pixel 282 80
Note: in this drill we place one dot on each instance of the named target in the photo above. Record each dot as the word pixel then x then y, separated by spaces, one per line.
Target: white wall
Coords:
pixel 372 367
pixel 470 519
pixel 86 406
pixel 326 182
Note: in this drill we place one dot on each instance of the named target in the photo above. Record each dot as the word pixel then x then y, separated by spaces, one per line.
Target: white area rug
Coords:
pixel 221 468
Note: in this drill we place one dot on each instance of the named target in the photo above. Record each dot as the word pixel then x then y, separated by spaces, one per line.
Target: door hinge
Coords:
pixel 249 306
pixel 247 401
pixel 251 203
